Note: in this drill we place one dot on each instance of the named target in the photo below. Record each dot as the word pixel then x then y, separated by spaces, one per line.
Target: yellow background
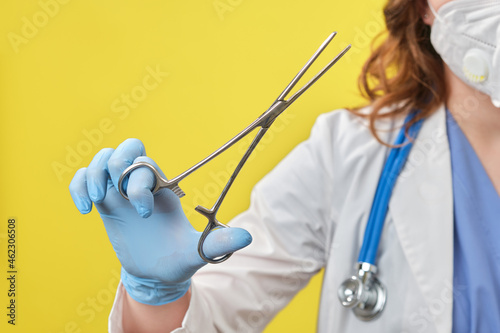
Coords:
pixel 226 61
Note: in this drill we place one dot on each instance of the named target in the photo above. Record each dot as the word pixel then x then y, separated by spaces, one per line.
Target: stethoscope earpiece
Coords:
pixel 363 292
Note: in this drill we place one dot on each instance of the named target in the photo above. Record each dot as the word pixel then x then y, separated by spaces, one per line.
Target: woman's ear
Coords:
pixel 425 12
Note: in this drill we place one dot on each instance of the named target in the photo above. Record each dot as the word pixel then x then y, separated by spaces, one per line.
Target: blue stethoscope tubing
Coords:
pixel 392 168
pixel 363 292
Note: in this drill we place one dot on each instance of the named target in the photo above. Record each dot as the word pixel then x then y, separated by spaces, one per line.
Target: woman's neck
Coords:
pixel 473 110
pixel 479 119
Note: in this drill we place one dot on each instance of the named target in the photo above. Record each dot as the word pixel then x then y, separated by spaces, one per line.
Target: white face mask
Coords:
pixel 466 33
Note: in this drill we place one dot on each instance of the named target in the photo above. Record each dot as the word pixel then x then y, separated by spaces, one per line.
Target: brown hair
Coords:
pixel 404 70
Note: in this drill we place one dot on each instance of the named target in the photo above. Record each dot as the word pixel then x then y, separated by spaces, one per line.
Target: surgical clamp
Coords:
pixel 264 121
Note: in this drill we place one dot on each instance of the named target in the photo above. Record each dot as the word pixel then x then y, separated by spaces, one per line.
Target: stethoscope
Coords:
pixel 363 292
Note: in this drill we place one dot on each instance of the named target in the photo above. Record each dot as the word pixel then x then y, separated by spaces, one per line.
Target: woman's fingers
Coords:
pixel 225 240
pixel 91 184
pixel 123 157
pixel 79 193
pixel 97 175
pixel 141 182
pixel 139 190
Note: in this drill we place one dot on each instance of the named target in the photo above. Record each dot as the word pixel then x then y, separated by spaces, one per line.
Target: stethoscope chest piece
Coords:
pixel 363 292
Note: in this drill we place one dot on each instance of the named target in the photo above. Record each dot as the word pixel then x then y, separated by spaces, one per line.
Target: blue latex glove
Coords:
pixel 152 238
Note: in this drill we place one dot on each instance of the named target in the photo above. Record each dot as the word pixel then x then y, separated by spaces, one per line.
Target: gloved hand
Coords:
pixel 152 238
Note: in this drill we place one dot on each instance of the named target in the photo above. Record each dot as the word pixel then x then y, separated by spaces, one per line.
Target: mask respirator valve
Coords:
pixel 475 66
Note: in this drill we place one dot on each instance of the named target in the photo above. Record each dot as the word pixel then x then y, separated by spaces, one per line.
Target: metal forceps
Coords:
pixel 264 121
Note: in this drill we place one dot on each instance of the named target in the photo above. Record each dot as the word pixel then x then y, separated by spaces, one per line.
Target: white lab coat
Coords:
pixel 310 213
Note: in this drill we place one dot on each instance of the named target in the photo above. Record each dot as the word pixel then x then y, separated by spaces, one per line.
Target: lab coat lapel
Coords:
pixel 422 211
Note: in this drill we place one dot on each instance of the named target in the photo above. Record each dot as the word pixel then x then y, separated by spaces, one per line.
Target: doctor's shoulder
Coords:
pixel 345 135
pixel 349 153
pixel 340 153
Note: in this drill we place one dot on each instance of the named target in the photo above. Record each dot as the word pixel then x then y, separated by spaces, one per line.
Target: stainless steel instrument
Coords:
pixel 264 121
